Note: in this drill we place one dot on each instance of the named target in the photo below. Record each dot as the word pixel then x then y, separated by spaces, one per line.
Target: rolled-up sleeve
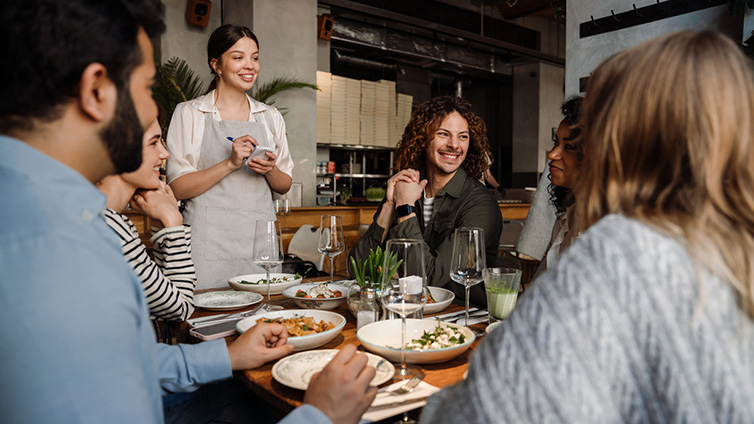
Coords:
pixel 183 141
pixel 183 368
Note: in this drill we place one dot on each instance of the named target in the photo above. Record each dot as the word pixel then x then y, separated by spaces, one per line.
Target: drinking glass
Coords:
pixel 404 288
pixel 501 286
pixel 282 207
pixel 268 252
pixel 331 239
pixel 468 261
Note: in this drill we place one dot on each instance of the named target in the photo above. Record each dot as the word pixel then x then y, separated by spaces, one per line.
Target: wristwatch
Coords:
pixel 404 210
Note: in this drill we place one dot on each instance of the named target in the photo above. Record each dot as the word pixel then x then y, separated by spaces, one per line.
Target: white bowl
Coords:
pixel 301 342
pixel 442 297
pixel 261 288
pixel 327 304
pixel 384 339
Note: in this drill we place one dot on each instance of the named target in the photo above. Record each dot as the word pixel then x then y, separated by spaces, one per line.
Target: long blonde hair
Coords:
pixel 668 141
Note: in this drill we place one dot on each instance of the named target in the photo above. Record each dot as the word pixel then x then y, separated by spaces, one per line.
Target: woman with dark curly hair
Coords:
pixel 439 161
pixel 565 164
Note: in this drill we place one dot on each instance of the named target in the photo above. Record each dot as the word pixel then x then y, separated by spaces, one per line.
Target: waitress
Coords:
pixel 210 141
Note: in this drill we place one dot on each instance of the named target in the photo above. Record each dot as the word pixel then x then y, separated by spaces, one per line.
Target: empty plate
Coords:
pixel 226 300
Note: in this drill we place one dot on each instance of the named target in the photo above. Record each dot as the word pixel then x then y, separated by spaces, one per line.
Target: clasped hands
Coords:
pixel 404 188
pixel 159 205
pixel 341 390
pixel 242 148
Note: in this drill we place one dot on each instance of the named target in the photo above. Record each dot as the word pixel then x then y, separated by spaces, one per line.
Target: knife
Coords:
pixel 399 403
pixel 452 314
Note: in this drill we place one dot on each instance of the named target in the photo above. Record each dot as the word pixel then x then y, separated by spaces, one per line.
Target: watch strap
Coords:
pixel 404 210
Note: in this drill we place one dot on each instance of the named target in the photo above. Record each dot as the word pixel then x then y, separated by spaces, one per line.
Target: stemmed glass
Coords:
pixel 282 207
pixel 468 261
pixel 268 252
pixel 331 239
pixel 404 291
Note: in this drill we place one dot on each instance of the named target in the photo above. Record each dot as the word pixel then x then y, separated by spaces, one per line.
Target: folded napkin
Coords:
pixel 420 393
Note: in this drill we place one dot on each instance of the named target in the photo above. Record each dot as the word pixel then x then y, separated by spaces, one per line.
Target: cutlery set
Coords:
pixel 216 319
pixel 479 315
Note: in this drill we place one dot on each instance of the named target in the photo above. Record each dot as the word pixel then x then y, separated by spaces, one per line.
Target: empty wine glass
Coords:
pixel 331 239
pixel 282 207
pixel 404 288
pixel 468 261
pixel 268 252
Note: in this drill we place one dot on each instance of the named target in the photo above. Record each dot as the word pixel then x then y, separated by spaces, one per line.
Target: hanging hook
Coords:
pixel 593 22
pixel 637 11
pixel 614 17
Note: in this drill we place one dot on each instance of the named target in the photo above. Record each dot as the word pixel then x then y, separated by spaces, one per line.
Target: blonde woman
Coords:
pixel 648 317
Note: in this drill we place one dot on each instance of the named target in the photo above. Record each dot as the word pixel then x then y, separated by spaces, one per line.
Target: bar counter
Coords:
pixel 353 217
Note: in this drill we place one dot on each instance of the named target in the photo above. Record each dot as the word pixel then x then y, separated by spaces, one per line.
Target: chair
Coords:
pixel 304 245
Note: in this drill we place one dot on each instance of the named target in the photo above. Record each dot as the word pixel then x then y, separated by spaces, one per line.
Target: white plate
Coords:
pixel 384 337
pixel 301 342
pixel 442 297
pixel 225 300
pixel 275 288
pixel 296 370
pixel 327 304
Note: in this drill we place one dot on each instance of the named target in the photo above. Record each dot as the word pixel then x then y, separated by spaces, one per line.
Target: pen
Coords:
pixel 230 138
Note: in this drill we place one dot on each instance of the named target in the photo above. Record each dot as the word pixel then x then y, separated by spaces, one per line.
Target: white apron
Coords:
pixel 222 218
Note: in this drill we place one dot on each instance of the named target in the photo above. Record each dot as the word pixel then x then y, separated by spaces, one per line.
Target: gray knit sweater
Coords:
pixel 610 335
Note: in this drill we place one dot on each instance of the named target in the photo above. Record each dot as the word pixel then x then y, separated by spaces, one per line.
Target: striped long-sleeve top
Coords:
pixel 170 279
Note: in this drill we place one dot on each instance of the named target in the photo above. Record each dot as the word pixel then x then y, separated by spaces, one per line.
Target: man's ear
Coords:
pixel 97 92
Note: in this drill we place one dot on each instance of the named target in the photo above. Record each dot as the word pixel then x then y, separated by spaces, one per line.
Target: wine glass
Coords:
pixel 331 239
pixel 268 252
pixel 468 261
pixel 404 288
pixel 282 207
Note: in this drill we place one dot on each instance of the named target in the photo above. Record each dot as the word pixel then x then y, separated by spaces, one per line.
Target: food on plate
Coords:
pixel 273 280
pixel 320 291
pixel 430 299
pixel 300 325
pixel 440 338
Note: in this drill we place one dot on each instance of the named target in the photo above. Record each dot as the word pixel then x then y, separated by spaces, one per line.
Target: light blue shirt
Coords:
pixel 77 342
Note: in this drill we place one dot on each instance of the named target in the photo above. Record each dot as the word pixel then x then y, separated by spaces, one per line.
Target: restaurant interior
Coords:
pixel 374 62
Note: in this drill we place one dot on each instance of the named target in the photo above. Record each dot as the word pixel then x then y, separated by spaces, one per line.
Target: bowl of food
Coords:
pixel 325 296
pixel 438 300
pixel 257 283
pixel 428 341
pixel 307 328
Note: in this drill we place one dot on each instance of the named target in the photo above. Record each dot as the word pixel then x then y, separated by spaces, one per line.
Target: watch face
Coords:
pixel 404 210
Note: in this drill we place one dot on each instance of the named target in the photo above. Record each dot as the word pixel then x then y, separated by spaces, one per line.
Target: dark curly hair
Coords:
pixel 411 151
pixel 561 197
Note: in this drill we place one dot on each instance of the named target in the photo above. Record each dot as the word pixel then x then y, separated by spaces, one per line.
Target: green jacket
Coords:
pixel 464 202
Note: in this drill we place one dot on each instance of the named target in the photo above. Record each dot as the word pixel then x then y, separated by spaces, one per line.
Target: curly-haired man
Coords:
pixel 441 157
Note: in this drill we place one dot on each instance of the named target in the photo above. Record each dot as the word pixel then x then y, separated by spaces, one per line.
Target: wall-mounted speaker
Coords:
pixel 197 12
pixel 324 27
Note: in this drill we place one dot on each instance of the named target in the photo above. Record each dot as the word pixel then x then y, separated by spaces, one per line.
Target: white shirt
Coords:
pixel 184 140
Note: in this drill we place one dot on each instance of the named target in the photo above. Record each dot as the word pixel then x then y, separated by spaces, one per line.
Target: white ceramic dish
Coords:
pixel 296 370
pixel 492 326
pixel 261 288
pixel 326 304
pixel 302 342
pixel 442 297
pixel 225 300
pixel 384 339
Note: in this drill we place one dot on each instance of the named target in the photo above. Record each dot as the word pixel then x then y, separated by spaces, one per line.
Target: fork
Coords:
pixel 410 384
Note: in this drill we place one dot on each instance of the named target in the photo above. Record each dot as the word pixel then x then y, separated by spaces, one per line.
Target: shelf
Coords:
pixel 354 147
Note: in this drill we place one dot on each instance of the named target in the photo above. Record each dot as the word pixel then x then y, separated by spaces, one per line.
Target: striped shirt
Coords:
pixel 169 280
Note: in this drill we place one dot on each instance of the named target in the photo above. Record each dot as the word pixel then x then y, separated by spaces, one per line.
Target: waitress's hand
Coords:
pixel 242 147
pixel 265 165
pixel 159 205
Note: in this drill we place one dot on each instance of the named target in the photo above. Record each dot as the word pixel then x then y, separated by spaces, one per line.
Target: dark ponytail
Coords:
pixel 222 39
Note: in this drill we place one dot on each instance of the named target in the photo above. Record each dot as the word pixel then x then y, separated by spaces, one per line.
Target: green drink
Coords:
pixel 501 286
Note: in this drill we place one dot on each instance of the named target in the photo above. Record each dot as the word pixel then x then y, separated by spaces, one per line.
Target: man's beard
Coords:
pixel 123 135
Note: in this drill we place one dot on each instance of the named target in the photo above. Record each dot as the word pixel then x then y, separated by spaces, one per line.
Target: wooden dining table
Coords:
pixel 284 399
